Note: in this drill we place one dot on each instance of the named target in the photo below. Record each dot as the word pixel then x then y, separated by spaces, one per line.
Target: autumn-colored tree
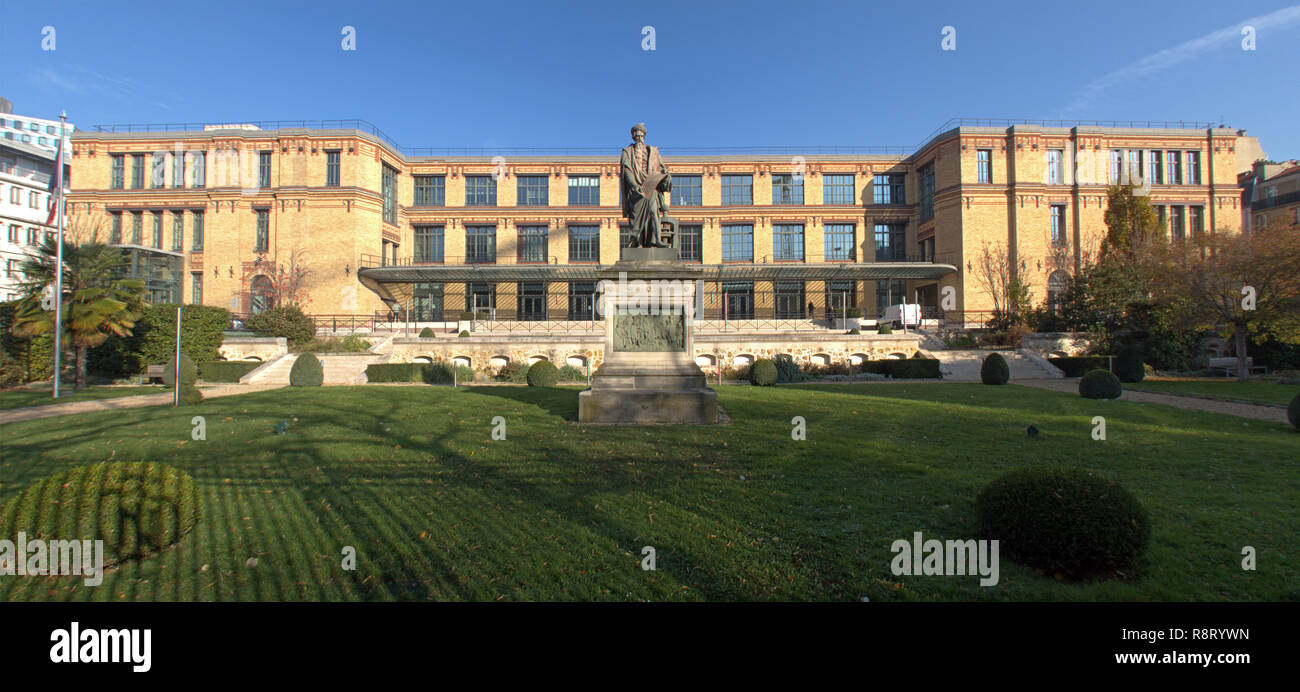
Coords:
pixel 1237 284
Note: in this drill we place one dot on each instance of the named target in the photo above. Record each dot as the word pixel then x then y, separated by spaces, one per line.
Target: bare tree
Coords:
pixel 289 280
pixel 1238 283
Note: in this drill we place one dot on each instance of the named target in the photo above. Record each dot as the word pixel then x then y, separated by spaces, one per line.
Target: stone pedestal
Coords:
pixel 649 374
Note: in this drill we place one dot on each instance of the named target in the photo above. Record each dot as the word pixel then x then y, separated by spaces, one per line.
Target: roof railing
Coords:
pixel 367 127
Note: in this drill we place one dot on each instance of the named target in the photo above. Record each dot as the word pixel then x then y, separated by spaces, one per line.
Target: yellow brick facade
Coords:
pixel 336 229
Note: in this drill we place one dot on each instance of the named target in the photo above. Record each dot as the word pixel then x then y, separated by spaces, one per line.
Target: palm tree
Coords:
pixel 98 300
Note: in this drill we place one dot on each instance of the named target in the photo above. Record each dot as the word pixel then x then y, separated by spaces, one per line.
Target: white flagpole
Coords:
pixel 58 266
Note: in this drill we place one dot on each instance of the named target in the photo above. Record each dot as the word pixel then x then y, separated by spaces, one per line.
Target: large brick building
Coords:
pixel 215 214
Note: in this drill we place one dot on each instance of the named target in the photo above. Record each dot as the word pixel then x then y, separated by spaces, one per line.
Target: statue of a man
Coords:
pixel 644 182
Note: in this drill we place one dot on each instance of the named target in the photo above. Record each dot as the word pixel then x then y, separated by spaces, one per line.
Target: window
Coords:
pixel 789 303
pixel 532 191
pixel 688 241
pixel 11 268
pixel 13 233
pixel 1135 166
pixel 738 243
pixel 532 301
pixel 925 186
pixel 33 200
pixel 1176 230
pixel 584 190
pixel 1058 224
pixel 1193 162
pixel 15 195
pixel 1116 166
pixel 984 165
pixel 1196 220
pixel 481 297
pixel 738 299
pixel 196 288
pixel 786 189
pixel 1057 284
pixel 31 235
pixel 888 188
pixel 137 171
pixel 625 237
pixel 158 229
pixel 332 168
pixel 787 242
pixel 428 244
pixel 178 231
pixel 1155 171
pixel 1160 217
pixel 737 190
pixel 426 302
pixel 532 244
pixel 115 228
pixel 430 190
pixel 196 245
pixel 841 294
pixel 891 241
pixel 889 293
pixel 840 242
pixel 687 191
pixel 178 169
pixel 584 242
pixel 838 188
pixel 1173 171
pixel 137 228
pixel 481 244
pixel 582 300
pixel 480 191
pixel 389 183
pixel 1055 172
pixel 119 167
pixel 199 175
pixel 264 169
pixel 263 230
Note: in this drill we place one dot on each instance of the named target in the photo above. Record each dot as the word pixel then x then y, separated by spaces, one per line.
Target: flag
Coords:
pixel 56 185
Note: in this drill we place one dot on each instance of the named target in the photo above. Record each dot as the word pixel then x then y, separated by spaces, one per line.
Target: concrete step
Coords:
pixel 964 365
pixel 348 368
pixel 274 371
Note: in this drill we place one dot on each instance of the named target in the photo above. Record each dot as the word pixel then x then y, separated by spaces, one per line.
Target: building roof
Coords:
pixel 29 150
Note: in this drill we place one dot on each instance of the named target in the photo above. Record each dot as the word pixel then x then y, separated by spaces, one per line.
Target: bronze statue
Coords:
pixel 644 182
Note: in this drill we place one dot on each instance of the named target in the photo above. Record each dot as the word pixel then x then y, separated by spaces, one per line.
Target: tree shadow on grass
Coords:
pixel 558 401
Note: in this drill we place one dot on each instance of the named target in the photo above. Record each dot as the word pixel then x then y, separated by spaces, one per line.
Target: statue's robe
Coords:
pixel 642 211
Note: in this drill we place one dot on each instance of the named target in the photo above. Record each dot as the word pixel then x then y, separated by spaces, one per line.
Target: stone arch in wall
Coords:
pixel 498 361
pixel 858 358
pixel 742 359
pixel 706 360
pixel 423 359
pixel 822 359
pixel 462 361
pixel 534 359
pixel 576 361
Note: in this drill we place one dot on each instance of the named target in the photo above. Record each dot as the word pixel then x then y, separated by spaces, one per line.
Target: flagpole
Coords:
pixel 58 266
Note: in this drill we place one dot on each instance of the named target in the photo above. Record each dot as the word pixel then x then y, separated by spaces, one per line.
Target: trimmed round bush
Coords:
pixel 543 373
pixel 1293 411
pixel 1099 384
pixel 190 396
pixel 307 371
pixel 189 374
pixel 463 333
pixel 289 322
pixel 1064 521
pixel 426 333
pixel 137 508
pixel 994 369
pixel 884 329
pixel 1129 366
pixel 763 373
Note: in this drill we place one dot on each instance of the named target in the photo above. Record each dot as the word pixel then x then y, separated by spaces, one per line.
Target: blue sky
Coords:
pixel 551 74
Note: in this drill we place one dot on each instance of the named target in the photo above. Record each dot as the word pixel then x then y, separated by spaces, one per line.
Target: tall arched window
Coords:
pixel 261 294
pixel 1057 284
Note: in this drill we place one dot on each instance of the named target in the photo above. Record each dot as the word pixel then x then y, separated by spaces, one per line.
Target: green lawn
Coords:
pixel 436 509
pixel 20 398
pixel 1254 391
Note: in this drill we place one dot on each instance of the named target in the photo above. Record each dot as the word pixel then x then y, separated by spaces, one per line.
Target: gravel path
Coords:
pixel 1231 408
pixel 37 412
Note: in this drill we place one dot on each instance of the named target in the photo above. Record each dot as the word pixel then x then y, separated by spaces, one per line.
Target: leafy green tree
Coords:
pixel 1131 223
pixel 98 300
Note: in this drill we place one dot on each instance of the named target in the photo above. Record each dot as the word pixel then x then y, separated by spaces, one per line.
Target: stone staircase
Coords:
pixel 964 365
pixel 273 371
pixel 348 368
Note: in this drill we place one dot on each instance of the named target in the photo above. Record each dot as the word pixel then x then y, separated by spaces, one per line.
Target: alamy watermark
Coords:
pixel 38 557
pixel 949 558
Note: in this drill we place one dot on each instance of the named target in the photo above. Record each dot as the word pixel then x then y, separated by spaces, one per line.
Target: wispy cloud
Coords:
pixel 81 80
pixel 1157 62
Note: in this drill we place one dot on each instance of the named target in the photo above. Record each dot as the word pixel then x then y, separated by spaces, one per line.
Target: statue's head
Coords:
pixel 638 133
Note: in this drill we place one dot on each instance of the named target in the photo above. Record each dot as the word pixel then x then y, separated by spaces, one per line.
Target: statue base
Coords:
pixel 649 375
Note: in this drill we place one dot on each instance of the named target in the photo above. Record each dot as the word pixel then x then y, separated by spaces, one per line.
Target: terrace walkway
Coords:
pixel 37 412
